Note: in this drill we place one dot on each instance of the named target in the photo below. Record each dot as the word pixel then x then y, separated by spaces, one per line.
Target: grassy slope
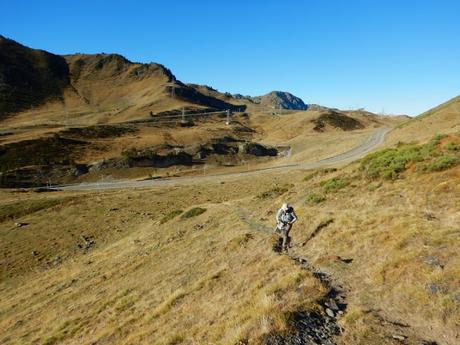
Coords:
pixel 444 118
pixel 145 282
pixel 214 279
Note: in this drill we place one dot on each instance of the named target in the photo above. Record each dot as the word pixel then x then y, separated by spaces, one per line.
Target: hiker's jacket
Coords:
pixel 284 217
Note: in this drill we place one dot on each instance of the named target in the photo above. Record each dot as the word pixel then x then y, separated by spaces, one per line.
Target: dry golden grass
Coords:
pixel 441 119
pixel 206 279
pixel 391 233
pixel 213 278
pixel 141 276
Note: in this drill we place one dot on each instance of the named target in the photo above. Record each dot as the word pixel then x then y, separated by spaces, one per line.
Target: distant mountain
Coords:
pixel 96 87
pixel 281 100
pixel 275 100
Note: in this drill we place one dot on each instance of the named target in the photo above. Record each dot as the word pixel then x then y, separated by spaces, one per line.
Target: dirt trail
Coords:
pixel 306 327
pixel 373 141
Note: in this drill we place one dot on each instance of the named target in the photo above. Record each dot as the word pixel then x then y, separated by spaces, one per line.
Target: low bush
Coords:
pixel 314 198
pixel 391 162
pixel 170 216
pixel 440 163
pixel 196 211
pixel 451 146
pixel 333 184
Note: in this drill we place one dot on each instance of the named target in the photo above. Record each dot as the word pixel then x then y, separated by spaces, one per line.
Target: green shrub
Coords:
pixel 451 146
pixel 314 198
pixel 440 163
pixel 333 184
pixel 388 163
pixel 439 136
pixel 431 146
pixel 170 216
pixel 196 211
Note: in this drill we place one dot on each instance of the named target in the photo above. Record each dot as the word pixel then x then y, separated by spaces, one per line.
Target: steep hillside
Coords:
pixel 29 77
pixel 38 87
pixel 444 118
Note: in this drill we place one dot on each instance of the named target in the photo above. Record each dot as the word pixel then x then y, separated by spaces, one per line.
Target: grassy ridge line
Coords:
pixel 428 113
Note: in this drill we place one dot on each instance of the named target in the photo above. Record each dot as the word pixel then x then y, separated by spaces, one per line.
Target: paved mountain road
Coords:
pixel 374 140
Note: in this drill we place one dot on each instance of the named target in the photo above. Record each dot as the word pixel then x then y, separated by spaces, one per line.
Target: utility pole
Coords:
pixel 183 115
pixel 228 117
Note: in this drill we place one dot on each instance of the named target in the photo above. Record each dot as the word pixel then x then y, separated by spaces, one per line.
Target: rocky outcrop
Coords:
pixel 258 150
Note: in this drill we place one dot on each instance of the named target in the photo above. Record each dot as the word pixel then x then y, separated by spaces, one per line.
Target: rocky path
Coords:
pixel 307 327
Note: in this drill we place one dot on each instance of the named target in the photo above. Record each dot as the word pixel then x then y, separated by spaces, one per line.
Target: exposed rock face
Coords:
pixel 258 150
pixel 160 161
pixel 281 100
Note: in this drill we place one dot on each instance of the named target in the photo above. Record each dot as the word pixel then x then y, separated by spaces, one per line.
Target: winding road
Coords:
pixel 374 140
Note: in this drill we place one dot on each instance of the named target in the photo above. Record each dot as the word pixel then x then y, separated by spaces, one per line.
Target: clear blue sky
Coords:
pixel 400 56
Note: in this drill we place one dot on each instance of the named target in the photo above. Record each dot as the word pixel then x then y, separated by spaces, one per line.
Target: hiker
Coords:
pixel 284 220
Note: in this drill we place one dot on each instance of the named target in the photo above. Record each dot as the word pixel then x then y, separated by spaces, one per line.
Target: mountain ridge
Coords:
pixel 109 86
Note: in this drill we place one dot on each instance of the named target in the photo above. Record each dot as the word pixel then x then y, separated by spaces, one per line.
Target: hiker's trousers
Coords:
pixel 285 236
